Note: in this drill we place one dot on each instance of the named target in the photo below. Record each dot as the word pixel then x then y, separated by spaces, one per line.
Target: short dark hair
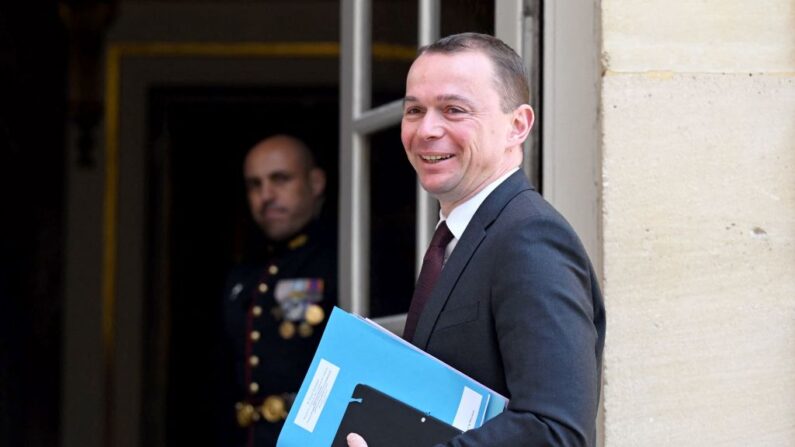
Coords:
pixel 509 69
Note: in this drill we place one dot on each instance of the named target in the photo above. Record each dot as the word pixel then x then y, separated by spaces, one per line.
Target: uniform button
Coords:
pixel 256 311
pixel 253 387
pixel 254 335
pixel 263 288
pixel 253 360
pixel 273 270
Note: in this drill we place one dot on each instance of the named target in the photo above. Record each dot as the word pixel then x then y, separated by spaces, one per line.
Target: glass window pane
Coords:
pixel 460 16
pixel 392 225
pixel 394 34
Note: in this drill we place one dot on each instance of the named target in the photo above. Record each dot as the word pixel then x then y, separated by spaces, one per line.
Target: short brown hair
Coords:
pixel 510 71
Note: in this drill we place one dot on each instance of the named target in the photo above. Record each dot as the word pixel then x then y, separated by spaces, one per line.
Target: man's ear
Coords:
pixel 521 124
pixel 317 181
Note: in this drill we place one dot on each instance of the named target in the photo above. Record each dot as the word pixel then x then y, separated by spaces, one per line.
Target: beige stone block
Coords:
pixel 699 259
pixel 699 36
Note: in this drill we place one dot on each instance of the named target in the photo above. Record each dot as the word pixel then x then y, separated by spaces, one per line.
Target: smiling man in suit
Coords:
pixel 506 294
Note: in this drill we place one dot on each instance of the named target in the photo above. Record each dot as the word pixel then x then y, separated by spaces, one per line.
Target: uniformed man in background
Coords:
pixel 275 310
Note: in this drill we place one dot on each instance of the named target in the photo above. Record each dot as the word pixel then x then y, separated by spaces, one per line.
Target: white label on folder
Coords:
pixel 317 395
pixel 468 408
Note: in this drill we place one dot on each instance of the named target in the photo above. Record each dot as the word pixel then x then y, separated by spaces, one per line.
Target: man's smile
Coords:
pixel 435 158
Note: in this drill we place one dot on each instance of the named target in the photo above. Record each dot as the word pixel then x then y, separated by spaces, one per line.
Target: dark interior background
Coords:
pixel 198 224
pixel 32 114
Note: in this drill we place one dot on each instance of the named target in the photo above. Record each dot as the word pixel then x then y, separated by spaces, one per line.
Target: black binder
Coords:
pixel 384 421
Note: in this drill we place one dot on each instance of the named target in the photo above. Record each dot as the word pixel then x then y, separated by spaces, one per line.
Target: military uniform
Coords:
pixel 274 315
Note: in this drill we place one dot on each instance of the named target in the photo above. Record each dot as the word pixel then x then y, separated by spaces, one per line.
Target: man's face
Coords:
pixel 455 134
pixel 282 192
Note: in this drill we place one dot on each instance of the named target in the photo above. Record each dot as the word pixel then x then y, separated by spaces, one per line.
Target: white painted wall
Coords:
pixel 698 177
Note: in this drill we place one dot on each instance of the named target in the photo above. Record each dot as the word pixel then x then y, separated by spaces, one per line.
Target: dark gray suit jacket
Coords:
pixel 518 308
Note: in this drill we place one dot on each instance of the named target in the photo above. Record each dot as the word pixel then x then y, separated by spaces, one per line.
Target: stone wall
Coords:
pixel 698 177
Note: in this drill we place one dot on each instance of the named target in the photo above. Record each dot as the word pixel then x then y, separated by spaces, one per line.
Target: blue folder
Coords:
pixel 355 350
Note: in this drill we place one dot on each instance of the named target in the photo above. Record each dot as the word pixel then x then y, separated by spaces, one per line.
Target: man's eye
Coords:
pixel 412 111
pixel 280 178
pixel 454 110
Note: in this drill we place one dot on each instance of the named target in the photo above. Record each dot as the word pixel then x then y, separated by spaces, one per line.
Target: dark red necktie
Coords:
pixel 429 274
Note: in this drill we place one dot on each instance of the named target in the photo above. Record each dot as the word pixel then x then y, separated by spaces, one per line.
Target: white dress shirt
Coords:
pixel 460 216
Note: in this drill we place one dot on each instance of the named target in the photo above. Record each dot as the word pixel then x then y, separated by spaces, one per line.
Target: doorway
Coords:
pixel 198 226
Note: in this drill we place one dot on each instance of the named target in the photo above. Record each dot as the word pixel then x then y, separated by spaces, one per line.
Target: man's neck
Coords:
pixel 447 207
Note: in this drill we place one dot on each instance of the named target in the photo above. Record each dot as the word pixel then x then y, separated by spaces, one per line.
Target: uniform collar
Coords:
pixel 297 241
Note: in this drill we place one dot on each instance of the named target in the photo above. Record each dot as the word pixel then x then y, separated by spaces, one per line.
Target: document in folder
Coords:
pixel 384 421
pixel 353 351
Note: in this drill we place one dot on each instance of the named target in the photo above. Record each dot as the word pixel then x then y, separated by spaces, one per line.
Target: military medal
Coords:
pixel 314 314
pixel 246 414
pixel 296 295
pixel 287 330
pixel 305 330
pixel 273 409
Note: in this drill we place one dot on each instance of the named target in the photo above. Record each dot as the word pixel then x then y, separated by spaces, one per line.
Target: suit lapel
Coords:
pixel 473 235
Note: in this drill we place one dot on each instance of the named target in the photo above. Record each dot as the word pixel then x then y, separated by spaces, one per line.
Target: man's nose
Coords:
pixel 430 127
pixel 266 192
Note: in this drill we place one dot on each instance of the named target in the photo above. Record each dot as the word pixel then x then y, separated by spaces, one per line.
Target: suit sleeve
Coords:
pixel 543 306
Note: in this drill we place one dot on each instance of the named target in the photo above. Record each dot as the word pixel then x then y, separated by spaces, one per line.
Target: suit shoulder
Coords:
pixel 528 217
pixel 529 206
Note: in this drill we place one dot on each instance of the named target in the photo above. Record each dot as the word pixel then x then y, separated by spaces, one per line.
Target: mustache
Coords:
pixel 270 206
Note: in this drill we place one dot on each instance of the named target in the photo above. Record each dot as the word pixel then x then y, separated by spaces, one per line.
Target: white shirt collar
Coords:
pixel 459 218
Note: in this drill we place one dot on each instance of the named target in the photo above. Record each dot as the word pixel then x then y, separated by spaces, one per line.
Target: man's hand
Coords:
pixel 355 440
